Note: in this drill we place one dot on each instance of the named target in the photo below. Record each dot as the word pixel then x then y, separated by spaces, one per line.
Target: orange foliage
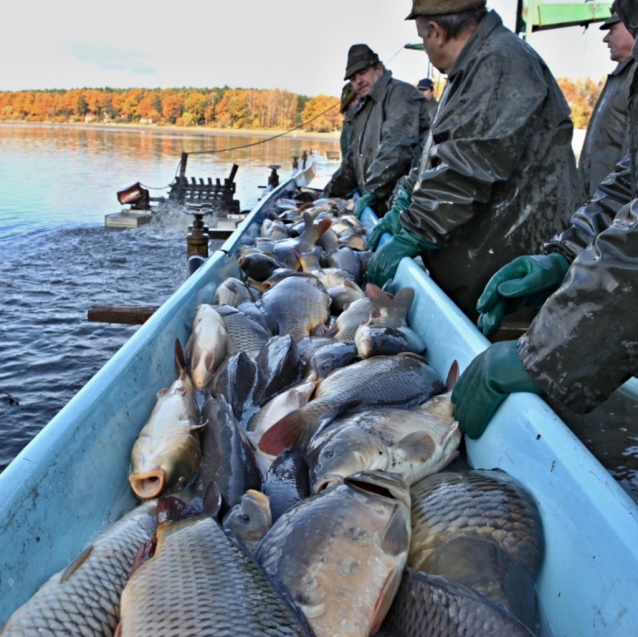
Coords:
pixel 581 96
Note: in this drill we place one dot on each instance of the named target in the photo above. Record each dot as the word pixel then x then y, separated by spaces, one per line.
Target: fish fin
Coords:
pixel 171 509
pixel 75 564
pixel 286 433
pixel 180 360
pixel 320 330
pixel 144 553
pixel 450 432
pixel 118 630
pixel 322 227
pixel 162 392
pixel 403 301
pixel 188 350
pixel 452 376
pixel 453 456
pixel 199 427
pixel 209 361
pixel 396 538
pixel 379 298
pixel 416 447
pixel 416 357
pixel 385 599
pixel 212 500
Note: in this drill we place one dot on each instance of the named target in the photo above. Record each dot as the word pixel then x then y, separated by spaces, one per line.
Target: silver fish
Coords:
pixel 247 334
pixel 250 519
pixel 353 315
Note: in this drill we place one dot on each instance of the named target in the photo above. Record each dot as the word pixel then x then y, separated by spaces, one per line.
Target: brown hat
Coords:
pixel 443 7
pixel 347 95
pixel 610 21
pixel 360 56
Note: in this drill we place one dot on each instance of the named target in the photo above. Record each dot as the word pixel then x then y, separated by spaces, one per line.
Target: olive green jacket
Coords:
pixel 498 174
pixel 388 128
pixel 607 138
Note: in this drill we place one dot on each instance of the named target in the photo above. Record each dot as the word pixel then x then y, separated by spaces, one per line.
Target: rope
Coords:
pixel 222 150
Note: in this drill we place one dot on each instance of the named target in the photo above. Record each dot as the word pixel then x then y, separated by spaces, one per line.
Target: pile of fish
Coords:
pixel 291 474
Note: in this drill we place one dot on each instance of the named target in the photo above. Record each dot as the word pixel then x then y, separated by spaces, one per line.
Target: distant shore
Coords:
pixel 191 130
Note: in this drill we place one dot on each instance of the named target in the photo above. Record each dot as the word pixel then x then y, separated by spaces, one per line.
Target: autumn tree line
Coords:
pixel 218 107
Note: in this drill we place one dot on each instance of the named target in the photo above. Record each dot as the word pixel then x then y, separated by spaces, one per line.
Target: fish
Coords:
pixel 167 452
pixel 379 341
pixel 258 266
pixel 332 278
pixel 393 312
pixel 353 315
pixel 483 529
pixel 402 381
pixel 273 230
pixel 346 259
pixel 331 356
pixel 84 598
pixel 284 273
pixel 312 232
pixel 199 581
pixel 344 294
pixel 310 261
pixel 287 482
pixel 355 241
pixel 273 411
pixel 247 334
pixel 227 456
pixel 234 381
pixel 410 443
pixel 340 554
pixel 329 240
pixel 250 519
pixel 296 306
pixel 446 608
pixel 278 367
pixel 208 345
pixel 286 256
pixel 233 292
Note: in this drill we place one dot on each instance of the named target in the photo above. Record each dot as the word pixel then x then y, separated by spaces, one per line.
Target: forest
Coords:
pixel 225 107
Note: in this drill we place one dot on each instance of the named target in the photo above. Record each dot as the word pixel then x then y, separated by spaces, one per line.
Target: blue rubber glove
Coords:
pixel 390 222
pixel 366 199
pixel 386 259
pixel 490 378
pixel 527 280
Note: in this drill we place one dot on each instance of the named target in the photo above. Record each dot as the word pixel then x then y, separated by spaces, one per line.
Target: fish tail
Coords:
pixel 380 299
pixel 452 376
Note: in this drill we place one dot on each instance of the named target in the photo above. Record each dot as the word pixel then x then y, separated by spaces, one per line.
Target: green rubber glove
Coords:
pixel 527 280
pixel 490 378
pixel 366 199
pixel 386 259
pixel 390 222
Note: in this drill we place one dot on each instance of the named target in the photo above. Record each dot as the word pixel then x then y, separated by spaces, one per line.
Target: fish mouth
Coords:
pixel 148 485
pixel 327 483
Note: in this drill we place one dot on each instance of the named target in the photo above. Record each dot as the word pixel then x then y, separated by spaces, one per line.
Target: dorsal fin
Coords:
pixel 452 376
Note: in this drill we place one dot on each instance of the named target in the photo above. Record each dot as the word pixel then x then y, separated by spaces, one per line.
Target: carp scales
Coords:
pixel 287 482
pixel 296 306
pixel 483 529
pixel 250 519
pixel 84 598
pixel 208 345
pixel 410 443
pixel 167 453
pixel 353 315
pixel 233 292
pixel 446 608
pixel 402 381
pixel 340 554
pixel 247 334
pixel 200 582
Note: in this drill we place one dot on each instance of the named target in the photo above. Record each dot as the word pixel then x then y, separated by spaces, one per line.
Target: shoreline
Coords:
pixel 194 130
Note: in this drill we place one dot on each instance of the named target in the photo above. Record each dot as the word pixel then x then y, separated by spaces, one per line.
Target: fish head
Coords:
pixel 354 451
pixel 382 484
pixel 251 519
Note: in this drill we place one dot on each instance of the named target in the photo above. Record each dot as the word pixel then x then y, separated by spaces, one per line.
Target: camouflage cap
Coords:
pixel 347 95
pixel 360 56
pixel 443 7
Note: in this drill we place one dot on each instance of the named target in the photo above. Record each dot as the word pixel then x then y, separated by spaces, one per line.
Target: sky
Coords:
pixel 298 45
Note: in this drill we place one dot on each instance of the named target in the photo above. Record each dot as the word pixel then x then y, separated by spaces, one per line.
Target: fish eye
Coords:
pixel 328 454
pixel 244 518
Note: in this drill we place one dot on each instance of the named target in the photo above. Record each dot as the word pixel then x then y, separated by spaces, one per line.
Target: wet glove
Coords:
pixel 386 259
pixel 527 280
pixel 366 199
pixel 490 378
pixel 390 223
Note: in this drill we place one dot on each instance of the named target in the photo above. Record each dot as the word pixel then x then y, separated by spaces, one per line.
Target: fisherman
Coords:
pixel 426 86
pixel 349 102
pixel 389 125
pixel 607 138
pixel 498 174
pixel 583 343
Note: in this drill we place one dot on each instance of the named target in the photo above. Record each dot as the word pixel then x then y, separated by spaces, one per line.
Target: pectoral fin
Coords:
pixel 75 564
pixel 416 447
pixel 396 538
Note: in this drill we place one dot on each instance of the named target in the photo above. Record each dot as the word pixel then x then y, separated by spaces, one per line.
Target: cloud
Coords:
pixel 107 56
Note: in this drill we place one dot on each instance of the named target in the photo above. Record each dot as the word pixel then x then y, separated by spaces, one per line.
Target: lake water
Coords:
pixel 57 259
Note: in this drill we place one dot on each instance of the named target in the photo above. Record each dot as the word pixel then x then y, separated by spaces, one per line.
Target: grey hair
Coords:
pixel 453 23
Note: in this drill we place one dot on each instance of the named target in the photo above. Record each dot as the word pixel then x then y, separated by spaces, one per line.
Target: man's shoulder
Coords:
pixel 403 89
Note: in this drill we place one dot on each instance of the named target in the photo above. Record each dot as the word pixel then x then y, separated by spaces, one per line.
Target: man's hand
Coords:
pixel 490 378
pixel 390 222
pixel 527 280
pixel 366 199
